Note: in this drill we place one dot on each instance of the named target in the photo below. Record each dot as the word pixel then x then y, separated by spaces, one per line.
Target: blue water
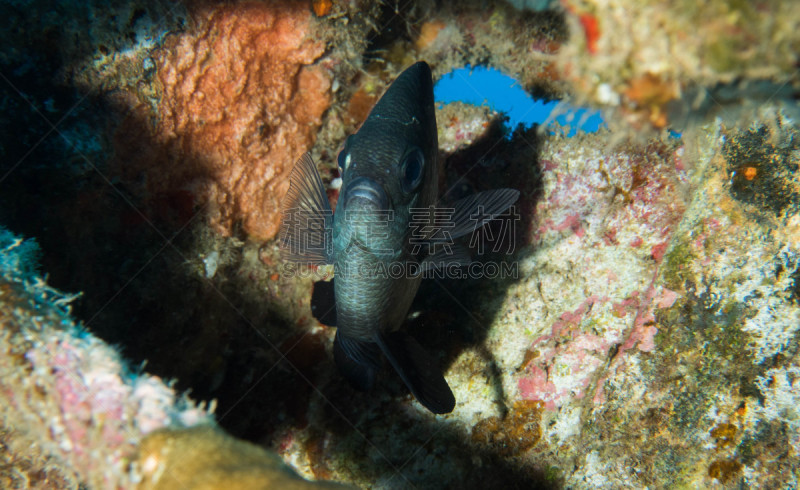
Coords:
pixel 490 87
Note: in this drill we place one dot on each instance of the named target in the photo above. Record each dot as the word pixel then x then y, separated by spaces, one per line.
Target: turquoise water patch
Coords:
pixel 490 87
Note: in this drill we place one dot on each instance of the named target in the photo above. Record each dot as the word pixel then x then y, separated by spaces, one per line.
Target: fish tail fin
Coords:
pixel 357 361
pixel 419 371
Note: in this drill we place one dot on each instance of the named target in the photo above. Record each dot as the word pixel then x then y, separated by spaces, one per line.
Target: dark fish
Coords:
pixel 389 173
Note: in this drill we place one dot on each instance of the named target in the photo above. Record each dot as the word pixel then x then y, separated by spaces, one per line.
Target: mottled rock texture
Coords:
pixel 71 412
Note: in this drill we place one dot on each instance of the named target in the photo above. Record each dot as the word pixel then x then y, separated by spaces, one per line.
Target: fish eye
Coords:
pixel 412 170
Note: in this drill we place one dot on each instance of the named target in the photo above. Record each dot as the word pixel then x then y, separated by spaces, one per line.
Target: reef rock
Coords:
pixel 71 411
pixel 240 99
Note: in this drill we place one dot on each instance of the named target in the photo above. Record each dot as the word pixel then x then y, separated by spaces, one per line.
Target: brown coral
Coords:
pixel 240 102
pixel 649 96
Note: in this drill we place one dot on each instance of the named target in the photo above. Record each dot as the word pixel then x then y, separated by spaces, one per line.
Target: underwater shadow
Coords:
pixel 455 313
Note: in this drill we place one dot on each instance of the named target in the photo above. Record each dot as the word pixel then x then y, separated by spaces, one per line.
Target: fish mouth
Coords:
pixel 364 192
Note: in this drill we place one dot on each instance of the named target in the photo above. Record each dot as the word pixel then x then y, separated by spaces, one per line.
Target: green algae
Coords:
pixel 675 271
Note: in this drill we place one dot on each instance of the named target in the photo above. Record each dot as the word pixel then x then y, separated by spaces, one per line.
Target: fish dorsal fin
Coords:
pixel 446 255
pixel 472 212
pixel 323 302
pixel 419 371
pixel 306 220
pixel 358 361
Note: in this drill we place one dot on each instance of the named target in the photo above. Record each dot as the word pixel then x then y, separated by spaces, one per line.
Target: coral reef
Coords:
pixel 657 294
pixel 607 219
pixel 70 406
pixel 460 125
pixel 645 332
pixel 648 64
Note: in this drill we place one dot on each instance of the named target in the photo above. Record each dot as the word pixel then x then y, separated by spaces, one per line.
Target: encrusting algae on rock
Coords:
pixel 658 63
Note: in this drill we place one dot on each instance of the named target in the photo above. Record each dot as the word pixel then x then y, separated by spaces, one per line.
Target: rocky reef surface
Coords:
pixel 74 414
pixel 639 328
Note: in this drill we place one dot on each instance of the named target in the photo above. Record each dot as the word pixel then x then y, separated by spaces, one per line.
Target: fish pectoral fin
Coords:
pixel 306 217
pixel 419 371
pixel 323 302
pixel 446 255
pixel 358 361
pixel 472 212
